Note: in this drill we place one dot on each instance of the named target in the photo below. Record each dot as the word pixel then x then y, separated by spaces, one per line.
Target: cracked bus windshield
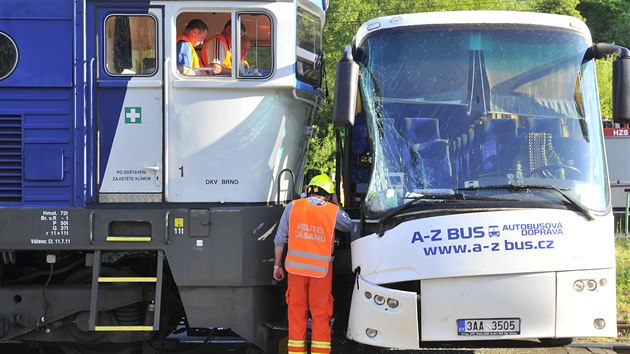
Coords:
pixel 450 111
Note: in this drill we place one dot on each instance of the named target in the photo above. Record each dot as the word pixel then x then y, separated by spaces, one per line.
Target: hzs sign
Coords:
pixel 620 132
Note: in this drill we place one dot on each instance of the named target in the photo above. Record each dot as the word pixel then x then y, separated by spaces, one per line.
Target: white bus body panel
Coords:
pixel 530 297
pixel 468 245
pixel 507 264
pixel 396 328
pixel 573 308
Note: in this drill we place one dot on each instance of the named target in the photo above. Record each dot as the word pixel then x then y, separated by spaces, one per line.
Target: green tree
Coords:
pixel 559 7
pixel 604 85
pixel 342 20
pixel 608 20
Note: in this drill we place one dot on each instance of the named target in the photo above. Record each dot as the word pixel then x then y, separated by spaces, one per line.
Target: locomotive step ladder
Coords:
pixel 97 279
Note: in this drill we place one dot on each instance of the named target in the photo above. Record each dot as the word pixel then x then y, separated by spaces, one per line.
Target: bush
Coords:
pixel 623 277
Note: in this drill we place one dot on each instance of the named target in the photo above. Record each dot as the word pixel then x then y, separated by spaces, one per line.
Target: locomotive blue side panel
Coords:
pixel 37 105
pixel 47 146
pixel 110 98
pixel 50 24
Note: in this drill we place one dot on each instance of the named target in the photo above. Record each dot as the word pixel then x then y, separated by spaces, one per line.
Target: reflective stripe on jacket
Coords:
pixel 195 58
pixel 311 238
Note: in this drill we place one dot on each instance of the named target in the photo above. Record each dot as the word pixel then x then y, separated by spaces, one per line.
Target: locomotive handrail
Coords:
pixel 165 129
pixel 92 86
pixel 292 183
pixel 167 238
pixel 91 220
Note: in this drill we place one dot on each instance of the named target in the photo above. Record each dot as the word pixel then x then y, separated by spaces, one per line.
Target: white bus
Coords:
pixel 475 170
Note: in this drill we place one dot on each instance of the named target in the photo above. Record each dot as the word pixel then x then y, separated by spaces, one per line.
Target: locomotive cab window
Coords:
pixel 255 46
pixel 130 45
pixel 8 55
pixel 213 56
pixel 309 46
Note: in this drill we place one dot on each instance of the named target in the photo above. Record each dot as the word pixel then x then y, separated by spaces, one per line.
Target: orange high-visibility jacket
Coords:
pixel 195 58
pixel 227 61
pixel 311 238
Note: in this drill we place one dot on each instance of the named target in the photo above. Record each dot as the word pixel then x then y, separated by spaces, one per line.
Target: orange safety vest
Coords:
pixel 311 238
pixel 195 58
pixel 227 61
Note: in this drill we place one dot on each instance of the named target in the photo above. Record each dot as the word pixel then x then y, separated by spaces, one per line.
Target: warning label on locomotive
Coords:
pixel 55 226
pixel 131 176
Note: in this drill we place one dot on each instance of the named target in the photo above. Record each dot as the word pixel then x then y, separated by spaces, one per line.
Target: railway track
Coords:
pixel 240 348
pixel 234 345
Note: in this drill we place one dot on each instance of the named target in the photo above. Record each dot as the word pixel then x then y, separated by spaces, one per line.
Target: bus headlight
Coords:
pixel 599 323
pixel 371 332
pixel 368 295
pixel 578 285
pixel 591 285
pixel 379 299
pixel 393 303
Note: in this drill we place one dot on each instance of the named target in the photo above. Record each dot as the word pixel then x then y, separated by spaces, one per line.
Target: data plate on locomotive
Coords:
pixel 488 326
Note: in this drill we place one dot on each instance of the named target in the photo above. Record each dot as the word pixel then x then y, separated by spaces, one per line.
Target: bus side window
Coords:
pixel 130 45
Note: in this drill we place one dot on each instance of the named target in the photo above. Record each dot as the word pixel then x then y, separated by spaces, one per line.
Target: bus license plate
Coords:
pixel 489 327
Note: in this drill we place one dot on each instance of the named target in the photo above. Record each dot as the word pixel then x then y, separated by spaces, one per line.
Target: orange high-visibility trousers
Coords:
pixel 306 294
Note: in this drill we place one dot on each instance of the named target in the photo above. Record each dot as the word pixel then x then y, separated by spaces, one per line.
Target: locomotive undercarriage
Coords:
pixel 102 283
pixel 50 302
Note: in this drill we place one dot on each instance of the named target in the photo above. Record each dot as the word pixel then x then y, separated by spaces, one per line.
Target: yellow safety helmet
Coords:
pixel 321 183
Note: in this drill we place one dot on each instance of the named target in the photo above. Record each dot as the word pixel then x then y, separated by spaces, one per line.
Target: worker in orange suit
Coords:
pixel 308 226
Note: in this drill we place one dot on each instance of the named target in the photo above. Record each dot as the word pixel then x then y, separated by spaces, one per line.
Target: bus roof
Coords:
pixel 473 17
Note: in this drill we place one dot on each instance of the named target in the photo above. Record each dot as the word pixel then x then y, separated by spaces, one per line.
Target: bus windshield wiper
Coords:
pixel 415 198
pixel 524 187
pixel 411 202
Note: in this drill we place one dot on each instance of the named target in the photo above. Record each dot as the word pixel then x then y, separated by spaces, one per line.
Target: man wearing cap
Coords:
pixel 308 226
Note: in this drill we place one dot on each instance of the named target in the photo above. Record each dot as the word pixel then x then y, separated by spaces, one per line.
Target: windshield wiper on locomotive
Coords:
pixel 525 187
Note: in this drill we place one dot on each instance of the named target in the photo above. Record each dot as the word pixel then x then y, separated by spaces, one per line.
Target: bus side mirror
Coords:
pixel 346 86
pixel 621 90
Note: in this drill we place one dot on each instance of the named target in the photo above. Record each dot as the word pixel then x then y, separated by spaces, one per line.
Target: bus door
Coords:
pixel 129 105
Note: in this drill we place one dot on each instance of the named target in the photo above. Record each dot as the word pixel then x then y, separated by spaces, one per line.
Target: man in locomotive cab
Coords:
pixel 246 45
pixel 194 35
pixel 244 68
pixel 216 52
pixel 308 226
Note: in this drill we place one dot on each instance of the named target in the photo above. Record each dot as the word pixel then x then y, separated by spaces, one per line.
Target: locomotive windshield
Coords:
pixel 467 111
